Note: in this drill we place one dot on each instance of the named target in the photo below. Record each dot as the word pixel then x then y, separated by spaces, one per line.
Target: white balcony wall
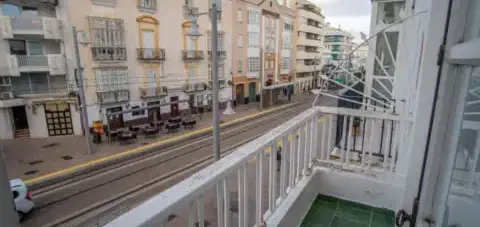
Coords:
pixel 308 55
pixel 310 15
pixel 50 28
pixel 309 42
pixel 309 28
pixel 306 68
pixel 54 64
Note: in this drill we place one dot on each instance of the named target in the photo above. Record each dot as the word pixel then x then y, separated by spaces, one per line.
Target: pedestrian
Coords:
pixel 279 158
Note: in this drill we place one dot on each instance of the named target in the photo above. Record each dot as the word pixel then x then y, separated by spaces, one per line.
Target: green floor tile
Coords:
pixel 356 205
pixel 327 198
pixel 382 220
pixel 353 213
pixel 345 222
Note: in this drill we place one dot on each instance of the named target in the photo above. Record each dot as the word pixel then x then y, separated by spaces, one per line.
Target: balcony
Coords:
pixel 309 42
pixel 46 27
pixel 151 92
pixel 105 97
pixel 221 54
pixel 318 159
pixel 308 55
pixel 149 6
pixel 109 53
pixel 192 55
pixel 307 68
pixel 310 29
pixel 151 54
pixel 312 16
pixel 188 10
pixel 194 87
pixel 54 64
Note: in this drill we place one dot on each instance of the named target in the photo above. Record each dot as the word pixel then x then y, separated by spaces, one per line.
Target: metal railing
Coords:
pixel 221 54
pixel 113 96
pixel 302 141
pixel 27 23
pixel 32 60
pixel 192 87
pixel 151 54
pixel 192 55
pixel 152 91
pixel 109 53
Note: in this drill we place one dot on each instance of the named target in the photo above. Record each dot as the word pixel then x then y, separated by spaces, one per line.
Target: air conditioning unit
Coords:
pixel 7 95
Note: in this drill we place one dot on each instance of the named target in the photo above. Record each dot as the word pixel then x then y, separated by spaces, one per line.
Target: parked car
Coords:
pixel 21 198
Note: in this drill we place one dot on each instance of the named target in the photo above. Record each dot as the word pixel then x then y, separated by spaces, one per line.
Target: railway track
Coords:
pixel 139 178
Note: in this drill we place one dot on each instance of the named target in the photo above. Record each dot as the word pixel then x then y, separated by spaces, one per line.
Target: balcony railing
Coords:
pixel 150 5
pixel 221 54
pixel 146 92
pixel 155 54
pixel 109 53
pixel 194 87
pixel 188 10
pixel 104 2
pixel 49 28
pixel 113 96
pixel 306 142
pixel 52 63
pixel 192 55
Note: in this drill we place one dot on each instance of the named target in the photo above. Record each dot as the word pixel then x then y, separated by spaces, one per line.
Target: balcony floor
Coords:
pixel 328 211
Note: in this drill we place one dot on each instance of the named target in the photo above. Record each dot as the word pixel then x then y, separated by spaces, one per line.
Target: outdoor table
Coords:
pixel 150 131
pixel 173 126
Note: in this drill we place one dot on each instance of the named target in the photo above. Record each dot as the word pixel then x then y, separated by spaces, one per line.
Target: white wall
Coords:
pixel 37 123
pixel 76 120
pixel 6 129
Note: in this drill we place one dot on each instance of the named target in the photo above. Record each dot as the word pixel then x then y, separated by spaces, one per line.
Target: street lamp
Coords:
pixel 194 34
pixel 81 91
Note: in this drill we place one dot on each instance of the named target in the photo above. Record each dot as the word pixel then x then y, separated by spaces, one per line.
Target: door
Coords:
pixel 115 121
pixel 153 113
pixel 240 94
pixel 59 120
pixel 174 111
pixel 148 44
pixel 252 93
pixel 19 117
pixel 452 199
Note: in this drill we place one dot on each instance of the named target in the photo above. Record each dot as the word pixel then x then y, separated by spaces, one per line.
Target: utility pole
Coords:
pixel 81 91
pixel 8 216
pixel 261 78
pixel 215 87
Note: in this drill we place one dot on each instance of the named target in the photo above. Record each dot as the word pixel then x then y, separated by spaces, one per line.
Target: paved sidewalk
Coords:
pixel 28 158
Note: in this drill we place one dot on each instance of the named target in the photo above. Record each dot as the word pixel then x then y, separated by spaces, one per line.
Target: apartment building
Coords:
pixel 310 23
pixel 140 55
pixel 36 99
pixel 339 44
pixel 264 50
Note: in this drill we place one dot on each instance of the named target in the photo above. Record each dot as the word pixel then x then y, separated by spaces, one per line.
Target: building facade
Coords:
pixel 310 23
pixel 140 56
pixel 264 34
pixel 37 99
pixel 339 44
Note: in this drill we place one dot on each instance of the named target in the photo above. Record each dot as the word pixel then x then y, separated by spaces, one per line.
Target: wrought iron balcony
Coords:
pixel 154 54
pixel 192 55
pixel 109 53
pixel 195 87
pixel 221 54
pixel 146 92
pixel 150 5
pixel 105 97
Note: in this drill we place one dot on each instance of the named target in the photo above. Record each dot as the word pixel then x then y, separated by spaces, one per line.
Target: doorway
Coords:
pixel 154 113
pixel 174 106
pixel 115 121
pixel 240 94
pixel 19 118
pixel 148 44
pixel 59 121
pixel 252 93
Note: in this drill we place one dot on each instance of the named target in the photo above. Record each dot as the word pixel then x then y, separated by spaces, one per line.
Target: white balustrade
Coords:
pixel 306 140
pixel 49 27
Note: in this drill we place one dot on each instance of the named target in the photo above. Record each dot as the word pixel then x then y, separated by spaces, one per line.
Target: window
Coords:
pixel 104 2
pixel 111 79
pixel 220 41
pixel 151 78
pixel 272 63
pixel 287 42
pixel 253 17
pixel 239 15
pixel 286 63
pixel 240 66
pixel 240 40
pixel 390 12
pixel 147 4
pixel 253 39
pixel 287 27
pixel 107 39
pixel 139 112
pixel 253 64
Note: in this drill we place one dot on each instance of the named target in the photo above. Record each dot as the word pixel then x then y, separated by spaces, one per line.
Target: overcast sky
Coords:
pixel 349 14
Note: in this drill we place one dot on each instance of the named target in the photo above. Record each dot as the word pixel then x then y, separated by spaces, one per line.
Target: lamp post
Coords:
pixel 81 91
pixel 194 34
